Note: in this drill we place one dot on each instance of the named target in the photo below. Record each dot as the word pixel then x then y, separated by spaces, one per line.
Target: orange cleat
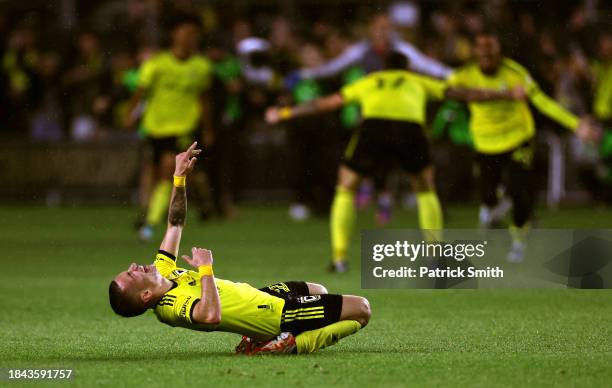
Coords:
pixel 283 344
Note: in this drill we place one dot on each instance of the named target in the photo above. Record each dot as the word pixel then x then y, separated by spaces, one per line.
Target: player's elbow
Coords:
pixel 212 318
pixel 207 317
pixel 176 220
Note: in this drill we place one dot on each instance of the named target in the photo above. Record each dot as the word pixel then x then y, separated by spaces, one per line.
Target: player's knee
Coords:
pixel 365 312
pixel 316 289
pixel 421 183
pixel 348 179
pixel 348 185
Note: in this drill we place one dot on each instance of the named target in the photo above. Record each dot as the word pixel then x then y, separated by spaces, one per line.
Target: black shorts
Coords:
pixel 381 144
pixel 304 312
pixel 168 144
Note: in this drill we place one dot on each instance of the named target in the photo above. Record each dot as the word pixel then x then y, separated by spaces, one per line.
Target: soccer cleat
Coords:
pixel 244 346
pixel 283 344
pixel 340 266
pixel 517 252
pixel 145 233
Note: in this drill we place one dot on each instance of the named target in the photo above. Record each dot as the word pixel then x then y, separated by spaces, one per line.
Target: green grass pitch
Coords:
pixel 57 263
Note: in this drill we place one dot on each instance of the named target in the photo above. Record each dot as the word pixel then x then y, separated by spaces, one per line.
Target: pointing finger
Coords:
pixel 192 147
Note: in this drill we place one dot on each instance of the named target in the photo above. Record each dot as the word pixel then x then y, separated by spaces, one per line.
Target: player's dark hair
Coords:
pixel 121 303
pixel 488 31
pixel 182 19
pixel 396 61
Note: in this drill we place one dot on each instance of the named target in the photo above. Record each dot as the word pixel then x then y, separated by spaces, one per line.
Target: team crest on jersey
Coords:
pixel 179 272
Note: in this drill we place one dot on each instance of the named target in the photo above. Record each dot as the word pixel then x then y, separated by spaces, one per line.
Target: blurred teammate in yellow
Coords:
pixel 503 132
pixel 173 85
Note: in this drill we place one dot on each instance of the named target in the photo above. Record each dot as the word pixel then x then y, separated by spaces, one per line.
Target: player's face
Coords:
pixel 186 36
pixel 380 30
pixel 488 52
pixel 138 278
pixel 311 56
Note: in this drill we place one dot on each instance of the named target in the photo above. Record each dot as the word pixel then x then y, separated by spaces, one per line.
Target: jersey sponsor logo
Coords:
pixel 183 312
pixel 279 287
pixel 309 298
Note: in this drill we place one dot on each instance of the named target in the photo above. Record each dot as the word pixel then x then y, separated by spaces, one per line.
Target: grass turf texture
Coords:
pixel 57 264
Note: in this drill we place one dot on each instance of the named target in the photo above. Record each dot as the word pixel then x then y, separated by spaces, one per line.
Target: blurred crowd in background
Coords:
pixel 68 68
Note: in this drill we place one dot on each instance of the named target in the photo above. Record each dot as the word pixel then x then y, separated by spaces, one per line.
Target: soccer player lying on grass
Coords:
pixel 289 317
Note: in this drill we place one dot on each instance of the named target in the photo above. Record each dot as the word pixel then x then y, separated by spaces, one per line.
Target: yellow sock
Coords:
pixel 341 223
pixel 158 203
pixel 313 340
pixel 430 215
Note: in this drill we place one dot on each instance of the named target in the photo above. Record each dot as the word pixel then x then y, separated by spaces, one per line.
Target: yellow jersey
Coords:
pixel 173 90
pixel 501 125
pixel 245 310
pixel 602 101
pixel 394 95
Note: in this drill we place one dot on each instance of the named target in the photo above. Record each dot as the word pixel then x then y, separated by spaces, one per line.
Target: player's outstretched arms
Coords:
pixel 468 94
pixel 275 114
pixel 177 211
pixel 208 309
pixel 584 127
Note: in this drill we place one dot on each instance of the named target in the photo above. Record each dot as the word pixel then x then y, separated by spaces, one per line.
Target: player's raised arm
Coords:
pixel 177 211
pixel 469 94
pixel 208 309
pixel 332 102
pixel 582 127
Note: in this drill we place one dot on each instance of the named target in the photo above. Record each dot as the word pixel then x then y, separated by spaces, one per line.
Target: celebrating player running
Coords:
pixel 504 133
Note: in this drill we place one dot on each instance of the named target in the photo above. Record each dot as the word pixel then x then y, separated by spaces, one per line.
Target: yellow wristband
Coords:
pixel 285 113
pixel 179 181
pixel 205 270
